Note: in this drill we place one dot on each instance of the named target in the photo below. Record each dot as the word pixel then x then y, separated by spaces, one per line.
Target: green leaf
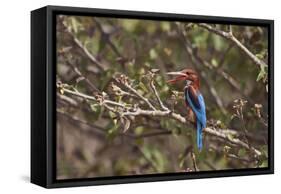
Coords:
pixel 156 157
pixel 112 132
pixel 214 62
pixel 260 56
pixel 262 74
pixel 218 42
pixel 112 114
pixel 143 87
pixel 129 24
pixel 115 121
pixel 165 26
pixel 181 163
pixel 139 130
pixel 242 152
pixel 153 54
pixel 74 25
pixel 264 164
pixel 94 107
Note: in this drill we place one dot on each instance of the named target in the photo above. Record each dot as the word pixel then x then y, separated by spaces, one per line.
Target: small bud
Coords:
pixel 62 91
pixel 258 108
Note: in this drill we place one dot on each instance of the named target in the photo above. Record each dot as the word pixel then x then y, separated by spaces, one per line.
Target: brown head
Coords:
pixel 186 74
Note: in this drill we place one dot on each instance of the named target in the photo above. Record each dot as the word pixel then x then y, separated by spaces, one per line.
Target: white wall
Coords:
pixel 15 89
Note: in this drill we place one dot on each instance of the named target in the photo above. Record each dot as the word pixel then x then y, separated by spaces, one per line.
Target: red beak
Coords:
pixel 180 76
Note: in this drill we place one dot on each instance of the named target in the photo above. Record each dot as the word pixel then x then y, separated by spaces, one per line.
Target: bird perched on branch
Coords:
pixel 193 99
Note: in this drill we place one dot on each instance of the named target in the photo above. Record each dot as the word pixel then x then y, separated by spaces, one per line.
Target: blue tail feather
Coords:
pixel 199 136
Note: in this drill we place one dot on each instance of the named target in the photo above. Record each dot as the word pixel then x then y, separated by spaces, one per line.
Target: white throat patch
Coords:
pixel 188 82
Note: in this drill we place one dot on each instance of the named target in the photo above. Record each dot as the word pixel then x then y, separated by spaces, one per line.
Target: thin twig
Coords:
pixel 153 134
pixel 79 73
pixel 233 156
pixel 67 99
pixel 193 158
pixel 135 92
pixel 230 155
pixel 235 141
pixel 85 96
pixel 110 43
pixel 92 129
pixel 157 95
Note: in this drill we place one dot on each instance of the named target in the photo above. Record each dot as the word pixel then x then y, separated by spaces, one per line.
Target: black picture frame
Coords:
pixel 43 96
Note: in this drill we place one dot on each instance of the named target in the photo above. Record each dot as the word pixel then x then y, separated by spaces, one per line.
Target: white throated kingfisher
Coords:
pixel 193 100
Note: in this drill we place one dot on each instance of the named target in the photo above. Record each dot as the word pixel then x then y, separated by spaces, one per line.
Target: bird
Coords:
pixel 194 100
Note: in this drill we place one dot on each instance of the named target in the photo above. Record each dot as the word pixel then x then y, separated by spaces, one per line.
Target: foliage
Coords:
pixel 101 61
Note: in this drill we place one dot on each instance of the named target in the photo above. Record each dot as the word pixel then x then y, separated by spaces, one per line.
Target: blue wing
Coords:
pixel 196 101
pixel 192 93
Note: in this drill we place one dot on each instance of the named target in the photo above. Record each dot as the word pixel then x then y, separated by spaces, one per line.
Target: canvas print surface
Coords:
pixel 138 97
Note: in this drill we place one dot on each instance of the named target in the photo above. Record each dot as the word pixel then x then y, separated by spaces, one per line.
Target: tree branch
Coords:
pixel 79 73
pixel 159 113
pixel 97 130
pixel 229 36
pixel 92 98
pixel 157 95
pixel 110 43
pixel 193 158
pixel 124 82
pixel 79 44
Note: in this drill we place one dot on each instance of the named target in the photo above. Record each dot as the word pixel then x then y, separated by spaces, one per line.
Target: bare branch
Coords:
pixel 97 130
pixel 228 138
pixel 157 95
pixel 229 36
pixel 91 130
pixel 193 158
pixel 135 92
pixel 152 134
pixel 119 92
pixel 87 97
pixel 231 155
pixel 208 130
pixel 79 44
pixel 106 35
pixel 158 113
pixel 67 99
pixel 79 73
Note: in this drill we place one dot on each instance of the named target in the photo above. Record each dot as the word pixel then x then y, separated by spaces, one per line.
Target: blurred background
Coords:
pixel 93 142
